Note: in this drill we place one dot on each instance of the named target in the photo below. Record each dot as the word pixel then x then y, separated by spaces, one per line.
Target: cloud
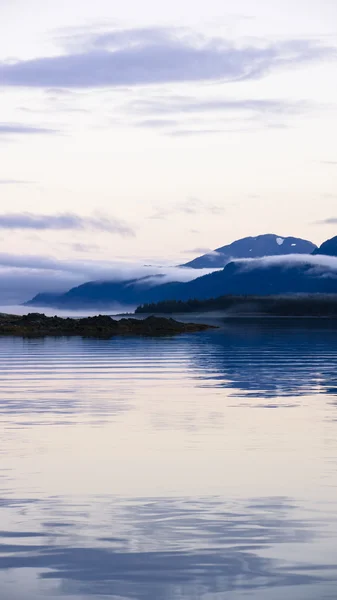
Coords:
pixel 186 116
pixel 19 285
pixel 189 132
pixel 64 221
pixel 78 247
pixel 23 276
pixel 15 182
pixel 21 128
pixel 318 261
pixel 191 207
pixel 156 56
pixel 53 107
pixel 213 254
pixel 157 123
pixel 328 221
pixel 44 263
pixel 94 268
pixel 198 251
pixel 187 105
pixel 224 549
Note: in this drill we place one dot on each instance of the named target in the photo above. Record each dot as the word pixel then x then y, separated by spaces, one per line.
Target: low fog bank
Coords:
pixel 317 261
pixel 19 285
pixel 19 309
pixel 22 277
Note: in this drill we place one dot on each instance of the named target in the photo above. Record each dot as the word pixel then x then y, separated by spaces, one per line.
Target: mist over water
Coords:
pixel 195 467
pixel 49 311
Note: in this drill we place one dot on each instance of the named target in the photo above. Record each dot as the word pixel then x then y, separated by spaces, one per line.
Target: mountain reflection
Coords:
pixel 90 427
pixel 261 359
pixel 160 549
pixel 269 359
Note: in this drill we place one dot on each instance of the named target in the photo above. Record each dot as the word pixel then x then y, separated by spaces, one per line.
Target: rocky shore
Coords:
pixel 101 326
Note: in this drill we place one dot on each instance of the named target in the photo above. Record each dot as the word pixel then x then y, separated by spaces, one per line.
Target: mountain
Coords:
pixel 262 277
pixel 293 305
pixel 259 277
pixel 45 299
pixel 252 247
pixel 328 248
pixel 273 275
pixel 98 294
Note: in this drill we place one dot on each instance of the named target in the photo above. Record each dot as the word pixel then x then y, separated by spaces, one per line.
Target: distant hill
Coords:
pixel 100 294
pixel 45 299
pixel 273 275
pixel 328 248
pixel 294 305
pixel 252 247
pixel 259 277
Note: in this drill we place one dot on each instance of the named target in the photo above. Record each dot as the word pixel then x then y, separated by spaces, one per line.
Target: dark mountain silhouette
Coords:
pixel 291 305
pixel 328 248
pixel 252 247
pixel 281 275
pixel 257 278
pixel 101 294
pixel 45 299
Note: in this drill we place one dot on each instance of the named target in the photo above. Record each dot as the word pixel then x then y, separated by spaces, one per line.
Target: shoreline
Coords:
pixel 262 307
pixel 37 325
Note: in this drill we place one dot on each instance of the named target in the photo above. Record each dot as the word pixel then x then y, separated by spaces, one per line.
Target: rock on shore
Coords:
pixel 101 326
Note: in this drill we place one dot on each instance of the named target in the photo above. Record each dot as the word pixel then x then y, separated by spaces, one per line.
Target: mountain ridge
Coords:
pixel 268 244
pixel 274 275
pixel 328 248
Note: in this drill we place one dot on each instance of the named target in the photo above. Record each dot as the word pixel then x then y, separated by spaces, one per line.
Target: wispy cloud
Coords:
pixel 38 262
pixel 23 276
pixel 197 251
pixel 15 182
pixel 185 116
pixel 189 207
pixel 185 104
pixel 328 221
pixel 315 261
pixel 156 56
pixel 21 128
pixel 84 248
pixel 96 269
pixel 64 221
pixel 157 123
pixel 53 108
pixel 196 132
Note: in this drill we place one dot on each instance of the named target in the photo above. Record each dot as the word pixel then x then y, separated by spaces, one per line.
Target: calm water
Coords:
pixel 200 467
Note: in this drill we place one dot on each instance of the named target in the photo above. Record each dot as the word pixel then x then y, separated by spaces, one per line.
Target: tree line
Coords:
pixel 301 305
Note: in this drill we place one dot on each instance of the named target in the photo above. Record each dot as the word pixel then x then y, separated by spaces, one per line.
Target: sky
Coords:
pixel 140 132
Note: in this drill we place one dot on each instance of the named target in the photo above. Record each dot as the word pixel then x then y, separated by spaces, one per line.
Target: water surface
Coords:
pixel 195 467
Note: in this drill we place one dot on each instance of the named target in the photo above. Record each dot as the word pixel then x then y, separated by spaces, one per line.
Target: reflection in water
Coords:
pixel 270 360
pixel 130 470
pixel 162 549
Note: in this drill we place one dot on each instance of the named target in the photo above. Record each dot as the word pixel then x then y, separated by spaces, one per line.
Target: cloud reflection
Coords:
pixel 161 549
